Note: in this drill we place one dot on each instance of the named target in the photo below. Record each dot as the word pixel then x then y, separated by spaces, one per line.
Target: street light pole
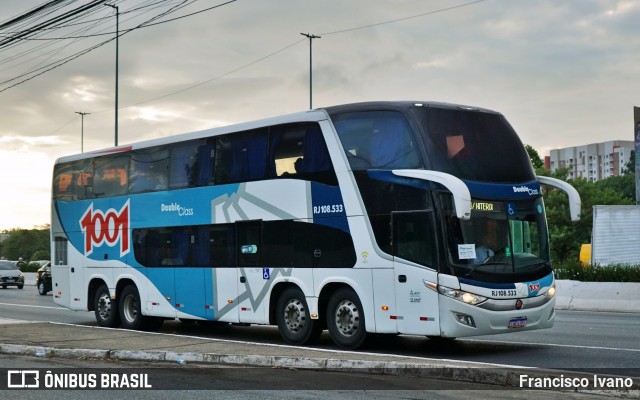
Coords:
pixel 82 114
pixel 311 37
pixel 117 45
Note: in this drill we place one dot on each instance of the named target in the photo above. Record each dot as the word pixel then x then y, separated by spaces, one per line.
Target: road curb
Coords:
pixel 450 370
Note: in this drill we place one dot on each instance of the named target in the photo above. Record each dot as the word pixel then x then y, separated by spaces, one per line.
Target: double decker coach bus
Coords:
pixel 382 217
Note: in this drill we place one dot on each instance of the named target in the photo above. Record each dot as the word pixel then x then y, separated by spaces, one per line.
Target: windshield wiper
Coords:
pixel 472 270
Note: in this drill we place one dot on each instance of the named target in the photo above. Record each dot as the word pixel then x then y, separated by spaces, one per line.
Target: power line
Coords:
pixel 291 45
pixel 285 48
pixel 146 25
pixel 215 78
pixel 402 19
pixel 74 56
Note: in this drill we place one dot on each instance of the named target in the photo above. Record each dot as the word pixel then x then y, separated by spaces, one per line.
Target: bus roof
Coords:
pixel 318 114
pixel 305 116
pixel 401 105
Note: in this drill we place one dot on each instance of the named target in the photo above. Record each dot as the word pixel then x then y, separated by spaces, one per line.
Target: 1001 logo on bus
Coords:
pixel 111 228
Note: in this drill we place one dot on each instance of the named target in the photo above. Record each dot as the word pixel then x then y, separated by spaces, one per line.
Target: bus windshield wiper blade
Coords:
pixel 472 270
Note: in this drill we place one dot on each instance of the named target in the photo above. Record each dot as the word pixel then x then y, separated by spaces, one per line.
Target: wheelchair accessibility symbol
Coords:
pixel 511 209
pixel 266 275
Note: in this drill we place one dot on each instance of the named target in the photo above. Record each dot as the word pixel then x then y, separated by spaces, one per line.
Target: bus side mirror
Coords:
pixel 574 196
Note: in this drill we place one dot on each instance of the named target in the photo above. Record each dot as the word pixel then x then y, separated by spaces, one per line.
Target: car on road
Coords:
pixel 43 279
pixel 10 275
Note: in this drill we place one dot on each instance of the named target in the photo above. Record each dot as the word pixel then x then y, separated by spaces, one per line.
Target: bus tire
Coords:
pixel 294 322
pixel 345 319
pixel 106 309
pixel 42 289
pixel 130 308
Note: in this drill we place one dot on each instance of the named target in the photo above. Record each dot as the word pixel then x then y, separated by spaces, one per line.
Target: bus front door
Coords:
pixel 414 249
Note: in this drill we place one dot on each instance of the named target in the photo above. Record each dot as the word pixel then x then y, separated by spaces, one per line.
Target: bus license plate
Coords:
pixel 519 322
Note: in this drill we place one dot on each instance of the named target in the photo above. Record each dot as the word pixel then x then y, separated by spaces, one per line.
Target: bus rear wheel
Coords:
pixel 345 319
pixel 130 308
pixel 105 308
pixel 131 312
pixel 294 322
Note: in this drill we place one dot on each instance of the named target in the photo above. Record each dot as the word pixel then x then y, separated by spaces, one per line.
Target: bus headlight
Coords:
pixel 465 297
pixel 551 292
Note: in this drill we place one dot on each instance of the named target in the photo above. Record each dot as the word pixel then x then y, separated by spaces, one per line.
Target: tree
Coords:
pixel 25 243
pixel 565 236
pixel 536 161
pixel 625 185
pixel 630 168
pixel 41 255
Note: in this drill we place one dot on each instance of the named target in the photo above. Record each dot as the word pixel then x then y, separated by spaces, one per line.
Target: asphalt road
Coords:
pixel 599 342
pixel 232 383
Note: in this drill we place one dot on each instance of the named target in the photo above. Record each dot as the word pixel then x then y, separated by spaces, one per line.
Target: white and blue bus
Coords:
pixel 381 217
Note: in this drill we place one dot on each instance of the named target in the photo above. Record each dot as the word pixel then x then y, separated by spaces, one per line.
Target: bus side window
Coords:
pixel 72 181
pixel 60 250
pixel 222 245
pixel 201 173
pixel 379 139
pixel 414 237
pixel 111 176
pixel 299 151
pixel 241 157
pixel 285 150
pixel 316 155
pixel 149 170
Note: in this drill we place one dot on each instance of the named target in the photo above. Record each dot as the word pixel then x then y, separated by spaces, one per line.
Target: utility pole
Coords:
pixel 311 37
pixel 117 45
pixel 82 114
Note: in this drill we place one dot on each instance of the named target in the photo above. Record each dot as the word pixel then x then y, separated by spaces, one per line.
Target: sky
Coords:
pixel 564 73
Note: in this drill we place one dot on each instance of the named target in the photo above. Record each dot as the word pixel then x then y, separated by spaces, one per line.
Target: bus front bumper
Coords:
pixel 458 319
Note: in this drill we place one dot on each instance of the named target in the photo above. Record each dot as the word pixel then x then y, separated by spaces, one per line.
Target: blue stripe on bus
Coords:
pixel 328 206
pixel 157 209
pixel 543 282
pixel 488 285
pixel 504 191
pixel 511 191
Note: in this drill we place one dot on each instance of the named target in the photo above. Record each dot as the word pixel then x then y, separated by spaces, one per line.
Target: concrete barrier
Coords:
pixel 598 296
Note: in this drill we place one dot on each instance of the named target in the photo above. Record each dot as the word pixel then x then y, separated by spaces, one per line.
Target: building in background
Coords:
pixel 592 161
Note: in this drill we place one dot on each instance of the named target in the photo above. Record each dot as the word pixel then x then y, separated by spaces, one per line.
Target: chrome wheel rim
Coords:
pixel 347 318
pixel 295 315
pixel 104 306
pixel 130 308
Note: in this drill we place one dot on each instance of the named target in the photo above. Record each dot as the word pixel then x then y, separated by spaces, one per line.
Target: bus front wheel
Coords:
pixel 345 319
pixel 294 322
pixel 105 308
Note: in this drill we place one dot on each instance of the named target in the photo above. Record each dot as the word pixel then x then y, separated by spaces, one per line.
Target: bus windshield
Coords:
pixel 501 239
pixel 473 145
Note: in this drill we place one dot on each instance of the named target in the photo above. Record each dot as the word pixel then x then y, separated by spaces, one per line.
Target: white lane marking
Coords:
pixel 571 346
pixel 32 306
